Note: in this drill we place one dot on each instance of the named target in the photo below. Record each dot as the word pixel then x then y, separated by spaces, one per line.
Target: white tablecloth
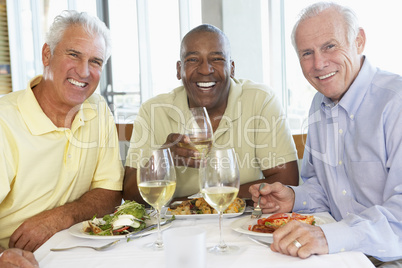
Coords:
pixel 132 253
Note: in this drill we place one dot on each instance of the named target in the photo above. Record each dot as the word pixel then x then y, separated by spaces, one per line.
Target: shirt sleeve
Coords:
pixel 109 171
pixel 274 141
pixel 5 167
pixel 310 197
pixel 140 138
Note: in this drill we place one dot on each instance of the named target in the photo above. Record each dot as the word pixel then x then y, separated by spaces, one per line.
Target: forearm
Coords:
pixel 130 187
pixel 95 202
pixel 287 174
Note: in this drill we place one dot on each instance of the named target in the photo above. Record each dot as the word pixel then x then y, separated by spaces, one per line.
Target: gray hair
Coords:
pixel 67 18
pixel 206 28
pixel 349 17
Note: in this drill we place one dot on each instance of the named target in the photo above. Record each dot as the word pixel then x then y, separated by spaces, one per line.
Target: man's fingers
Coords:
pixel 30 257
pixel 18 258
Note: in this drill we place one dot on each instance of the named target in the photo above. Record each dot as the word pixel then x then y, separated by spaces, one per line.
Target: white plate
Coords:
pixel 241 225
pixel 77 230
pixel 202 216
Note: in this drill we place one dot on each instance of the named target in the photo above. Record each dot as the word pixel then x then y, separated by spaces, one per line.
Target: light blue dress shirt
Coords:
pixel 352 165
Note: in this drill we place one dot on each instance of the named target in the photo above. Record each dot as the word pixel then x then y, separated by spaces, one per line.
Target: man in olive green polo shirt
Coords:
pixel 245 116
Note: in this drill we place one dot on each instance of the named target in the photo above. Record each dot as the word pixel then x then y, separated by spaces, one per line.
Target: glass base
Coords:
pixel 154 246
pixel 223 250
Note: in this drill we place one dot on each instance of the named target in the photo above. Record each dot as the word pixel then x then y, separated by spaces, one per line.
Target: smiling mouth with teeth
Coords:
pixel 76 83
pixel 206 84
pixel 326 76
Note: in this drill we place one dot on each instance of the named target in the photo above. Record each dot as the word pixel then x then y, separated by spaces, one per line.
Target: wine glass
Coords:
pixel 156 181
pixel 219 184
pixel 198 128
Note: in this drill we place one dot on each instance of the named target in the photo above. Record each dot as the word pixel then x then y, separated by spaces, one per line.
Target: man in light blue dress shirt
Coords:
pixel 352 164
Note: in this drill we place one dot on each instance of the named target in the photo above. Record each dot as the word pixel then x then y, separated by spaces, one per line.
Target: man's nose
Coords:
pixel 205 68
pixel 320 61
pixel 83 69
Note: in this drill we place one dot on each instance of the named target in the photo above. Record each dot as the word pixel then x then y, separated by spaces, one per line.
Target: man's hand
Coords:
pixel 275 197
pixel 180 147
pixel 15 257
pixel 310 237
pixel 35 231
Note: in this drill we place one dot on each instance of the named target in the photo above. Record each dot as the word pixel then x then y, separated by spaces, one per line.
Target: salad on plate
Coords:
pixel 128 218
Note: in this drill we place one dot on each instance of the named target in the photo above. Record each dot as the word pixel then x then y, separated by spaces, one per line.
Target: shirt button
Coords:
pixel 304 203
pixel 340 131
pixel 342 249
pixel 69 156
pixel 352 116
pixel 340 162
pixel 344 192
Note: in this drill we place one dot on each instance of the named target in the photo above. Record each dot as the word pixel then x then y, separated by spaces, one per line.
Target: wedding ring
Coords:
pixel 297 244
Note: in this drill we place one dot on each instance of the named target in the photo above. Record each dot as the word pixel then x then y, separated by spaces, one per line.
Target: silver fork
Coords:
pixel 95 248
pixel 260 241
pixel 257 212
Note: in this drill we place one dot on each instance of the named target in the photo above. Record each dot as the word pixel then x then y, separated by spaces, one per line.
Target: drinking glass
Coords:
pixel 219 184
pixel 198 127
pixel 156 181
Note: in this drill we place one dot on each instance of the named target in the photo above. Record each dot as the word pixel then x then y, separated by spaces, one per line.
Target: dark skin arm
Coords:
pixel 287 174
pixel 181 157
pixel 130 187
pixel 35 231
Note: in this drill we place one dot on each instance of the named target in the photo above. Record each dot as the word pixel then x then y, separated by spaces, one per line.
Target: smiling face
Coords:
pixel 329 62
pixel 205 70
pixel 73 71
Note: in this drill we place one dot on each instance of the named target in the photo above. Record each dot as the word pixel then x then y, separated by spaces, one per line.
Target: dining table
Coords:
pixel 132 253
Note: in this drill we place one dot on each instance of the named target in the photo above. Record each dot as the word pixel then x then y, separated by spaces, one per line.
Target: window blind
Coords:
pixel 5 70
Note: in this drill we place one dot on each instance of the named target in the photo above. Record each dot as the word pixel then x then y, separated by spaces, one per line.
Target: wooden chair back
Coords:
pixel 125 130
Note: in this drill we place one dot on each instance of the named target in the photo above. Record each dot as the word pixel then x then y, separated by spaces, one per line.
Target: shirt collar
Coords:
pixel 232 109
pixel 354 96
pixel 37 121
pixel 356 92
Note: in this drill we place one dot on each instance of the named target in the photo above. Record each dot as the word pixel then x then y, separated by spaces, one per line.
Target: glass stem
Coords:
pixel 222 244
pixel 158 241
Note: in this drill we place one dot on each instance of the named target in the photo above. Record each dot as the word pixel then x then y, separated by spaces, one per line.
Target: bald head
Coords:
pixel 204 28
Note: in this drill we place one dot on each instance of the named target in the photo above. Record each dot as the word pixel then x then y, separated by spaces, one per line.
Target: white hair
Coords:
pixel 349 17
pixel 67 18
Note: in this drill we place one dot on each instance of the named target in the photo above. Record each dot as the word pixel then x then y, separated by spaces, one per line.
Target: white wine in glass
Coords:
pixel 198 128
pixel 219 184
pixel 156 181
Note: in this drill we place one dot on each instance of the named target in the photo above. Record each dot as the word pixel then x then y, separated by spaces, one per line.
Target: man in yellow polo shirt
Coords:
pixel 59 153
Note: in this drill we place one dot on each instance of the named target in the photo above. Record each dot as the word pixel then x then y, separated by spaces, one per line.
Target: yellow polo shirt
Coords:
pixel 43 166
pixel 253 124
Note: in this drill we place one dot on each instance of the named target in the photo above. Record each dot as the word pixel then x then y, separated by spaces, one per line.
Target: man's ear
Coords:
pixel 178 70
pixel 46 54
pixel 232 69
pixel 360 41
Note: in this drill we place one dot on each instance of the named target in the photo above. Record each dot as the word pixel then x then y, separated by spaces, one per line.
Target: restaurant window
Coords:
pixel 146 39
